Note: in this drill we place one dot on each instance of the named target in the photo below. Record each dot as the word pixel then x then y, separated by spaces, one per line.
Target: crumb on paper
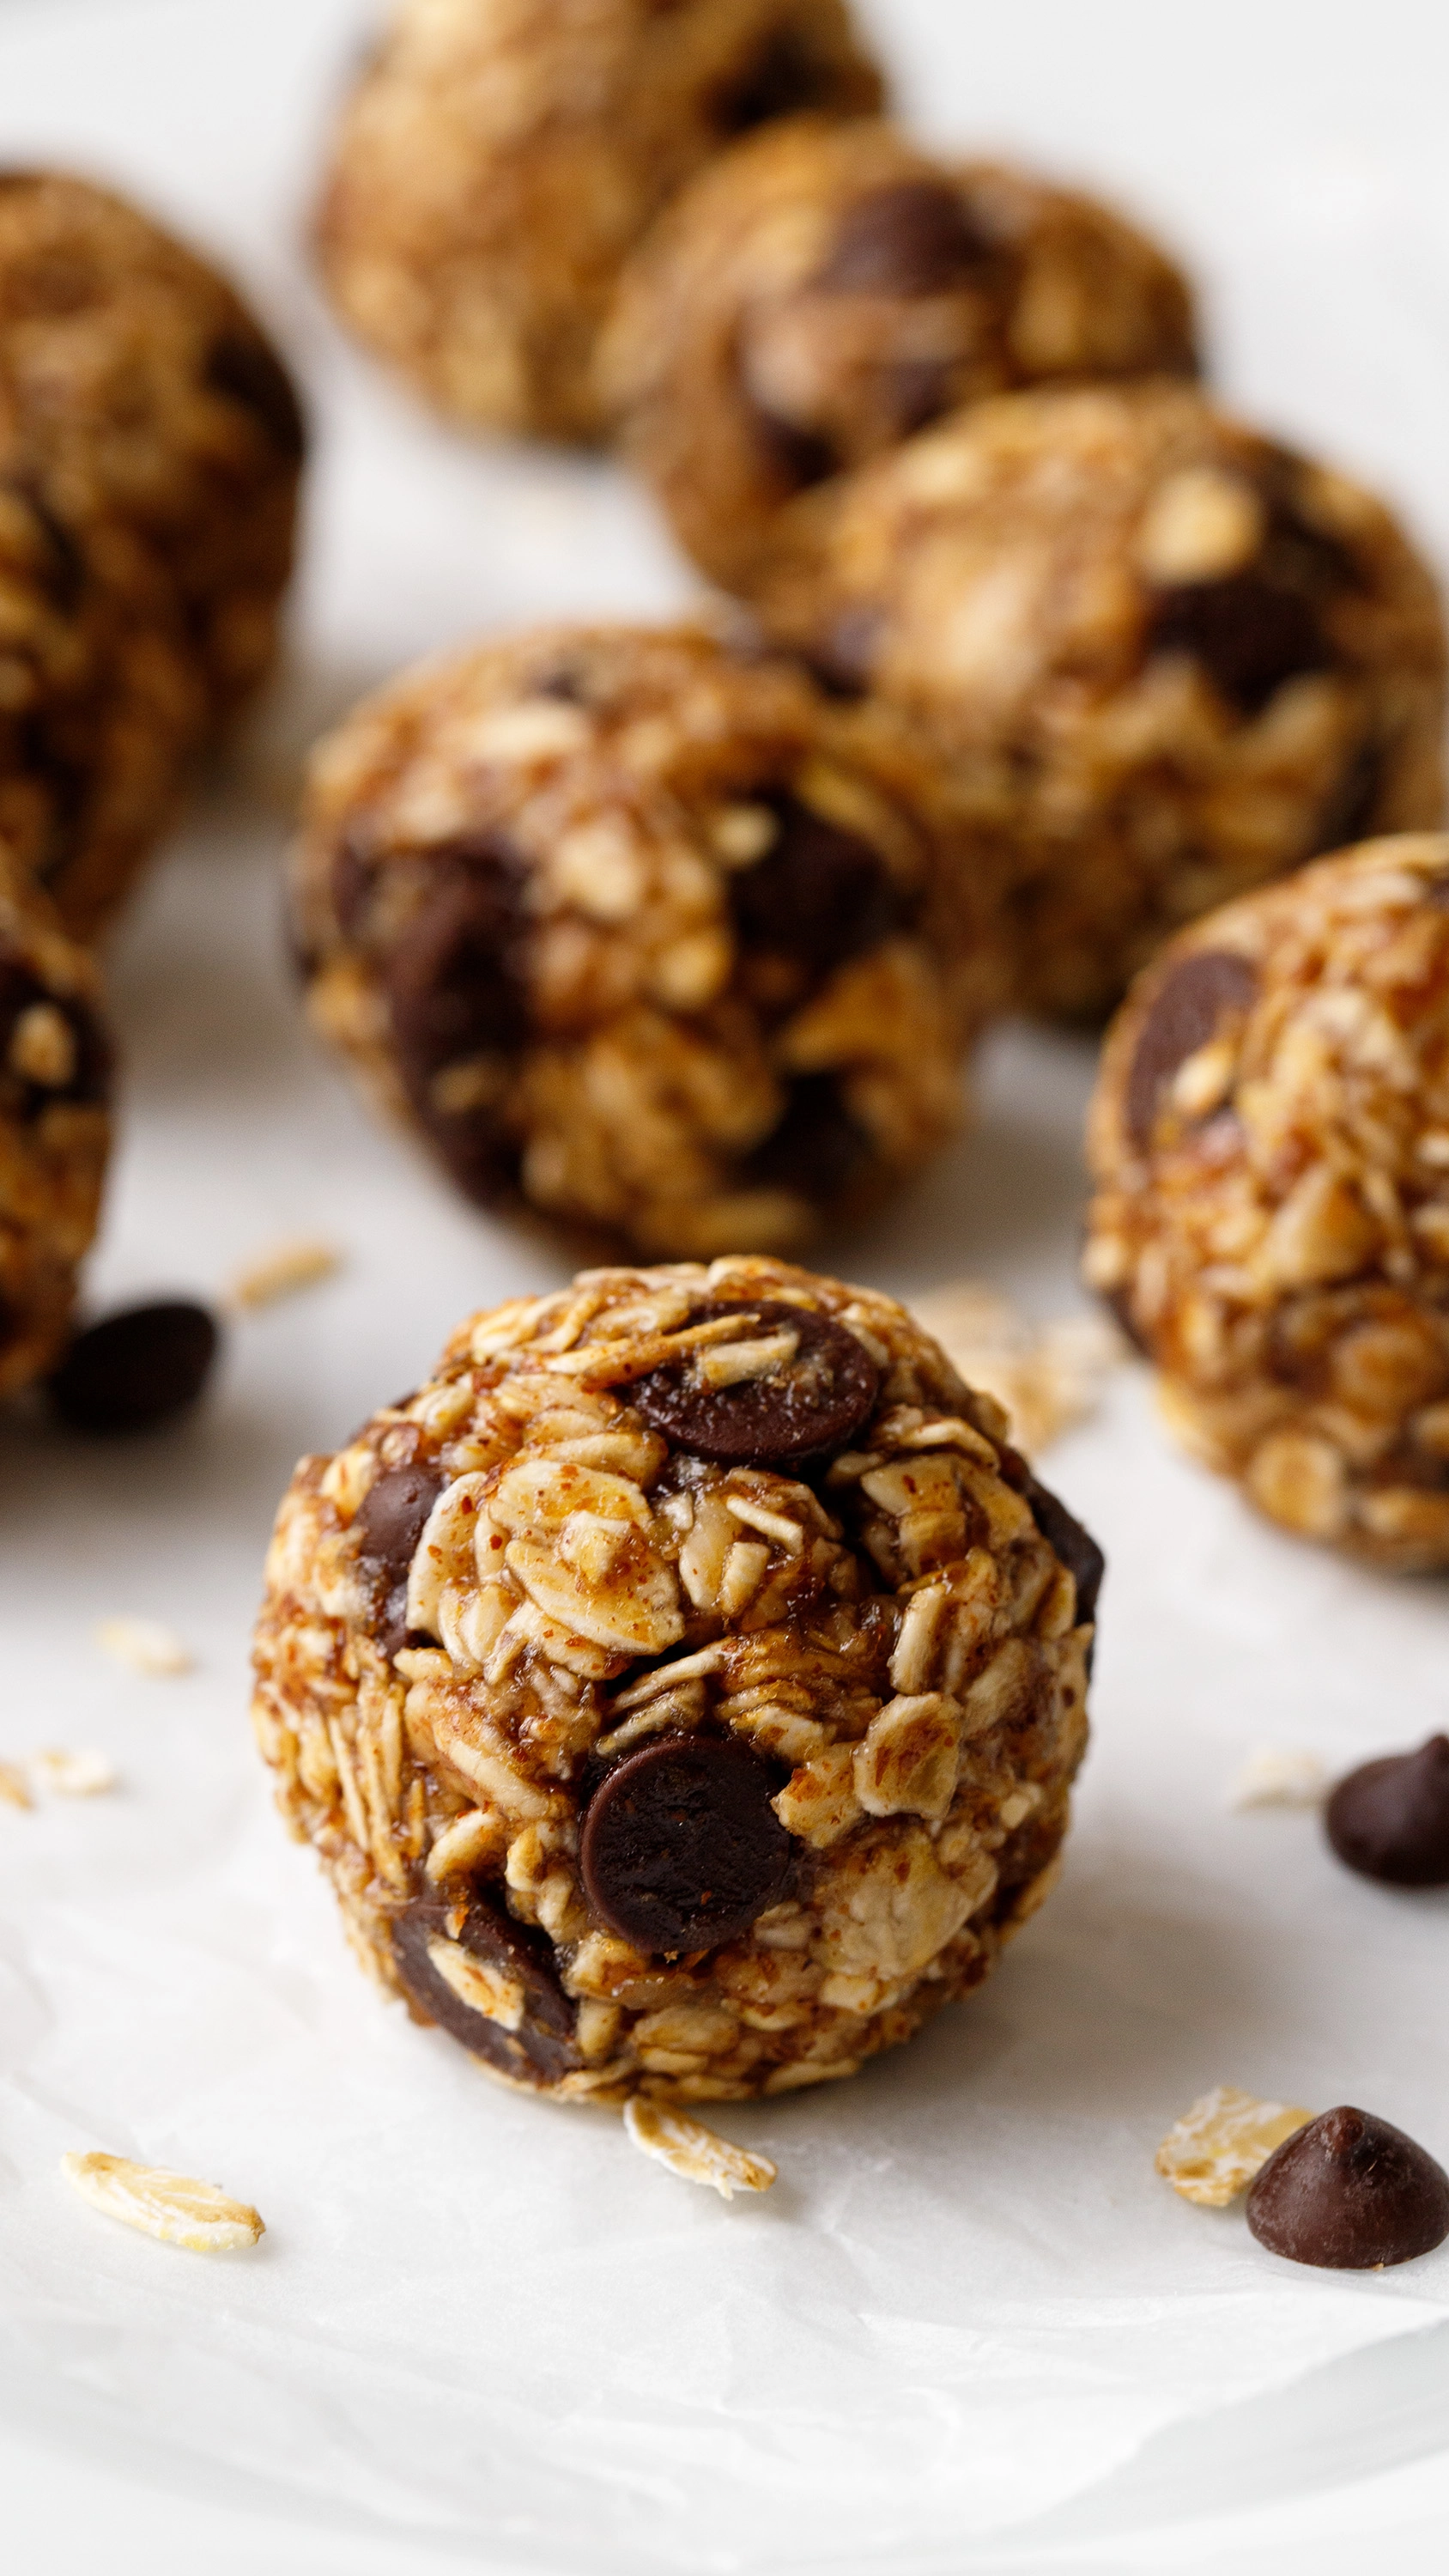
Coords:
pixel 14 1787
pixel 694 2152
pixel 169 2206
pixel 283 1271
pixel 1213 2152
pixel 1280 1775
pixel 144 1645
pixel 1049 1377
pixel 81 1774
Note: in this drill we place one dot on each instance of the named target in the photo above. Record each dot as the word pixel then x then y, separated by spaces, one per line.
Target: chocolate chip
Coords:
pixel 798 457
pixel 804 1408
pixel 1350 2193
pixel 351 884
pixel 136 1369
pixel 1249 634
pixel 819 895
pixel 843 660
pixel 1390 1818
pixel 815 1147
pixel 538 2048
pixel 911 237
pixel 783 79
pixel 390 1521
pixel 1349 811
pixel 87 1076
pixel 247 372
pixel 456 984
pixel 1075 1546
pixel 1183 1015
pixel 681 1847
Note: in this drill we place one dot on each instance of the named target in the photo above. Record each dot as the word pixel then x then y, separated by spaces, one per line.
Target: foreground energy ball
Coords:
pixel 823 290
pixel 683 1689
pixel 1270 1144
pixel 55 1061
pixel 647 934
pixel 1189 659
pixel 499 159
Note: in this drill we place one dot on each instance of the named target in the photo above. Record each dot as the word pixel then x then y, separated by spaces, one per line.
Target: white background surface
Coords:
pixel 970 2329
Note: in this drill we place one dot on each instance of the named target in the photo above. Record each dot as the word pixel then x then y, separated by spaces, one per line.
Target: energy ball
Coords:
pixel 648 935
pixel 823 290
pixel 683 1689
pixel 55 1063
pixel 1188 658
pixel 499 159
pixel 1270 1147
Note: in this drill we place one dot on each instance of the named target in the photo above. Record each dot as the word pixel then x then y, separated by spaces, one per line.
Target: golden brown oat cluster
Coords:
pixel 823 290
pixel 648 934
pixel 499 159
pixel 1182 658
pixel 55 1062
pixel 1270 1144
pixel 683 1689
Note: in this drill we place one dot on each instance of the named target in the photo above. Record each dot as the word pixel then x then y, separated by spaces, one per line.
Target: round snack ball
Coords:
pixel 1270 1146
pixel 55 1063
pixel 822 290
pixel 683 1689
pixel 1188 658
pixel 499 159
pixel 648 934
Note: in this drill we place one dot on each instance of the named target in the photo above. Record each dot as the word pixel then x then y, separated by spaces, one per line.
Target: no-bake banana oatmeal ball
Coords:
pixel 823 290
pixel 1270 1146
pixel 683 1690
pixel 1189 658
pixel 498 159
pixel 647 934
pixel 55 1063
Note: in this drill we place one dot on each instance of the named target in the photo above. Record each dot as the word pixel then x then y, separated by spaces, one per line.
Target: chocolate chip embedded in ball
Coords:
pixel 245 371
pixel 681 1847
pixel 136 1369
pixel 489 1982
pixel 1250 635
pixel 1350 2193
pixel 912 237
pixel 793 1385
pixel 1390 1819
pixel 1183 1015
pixel 1076 1546
pixel 390 1521
pixel 819 895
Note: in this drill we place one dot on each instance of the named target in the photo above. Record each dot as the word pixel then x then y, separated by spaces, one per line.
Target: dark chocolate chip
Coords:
pixel 1249 633
pixel 1183 1015
pixel 1350 2193
pixel 917 391
pixel 538 2048
pixel 797 456
pixel 456 984
pixel 351 884
pixel 843 661
pixel 136 1369
pixel 247 372
pixel 88 1078
pixel 681 1847
pixel 1349 811
pixel 1075 1546
pixel 390 1521
pixel 1390 1818
pixel 816 1146
pixel 911 237
pixel 805 1409
pixel 1118 1302
pixel 783 79
pixel 65 575
pixel 819 895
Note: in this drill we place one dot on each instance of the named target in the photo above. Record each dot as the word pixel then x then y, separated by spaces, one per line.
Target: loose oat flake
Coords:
pixel 85 1774
pixel 1213 2152
pixel 169 2206
pixel 1049 1377
pixel 144 1645
pixel 284 1270
pixel 1277 1775
pixel 14 1788
pixel 694 2152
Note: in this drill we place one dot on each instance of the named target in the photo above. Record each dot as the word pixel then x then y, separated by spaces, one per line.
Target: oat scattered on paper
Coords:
pixel 694 2152
pixel 283 1270
pixel 166 2205
pixel 1048 1376
pixel 81 1774
pixel 14 1787
pixel 1280 1775
pixel 144 1645
pixel 1215 2149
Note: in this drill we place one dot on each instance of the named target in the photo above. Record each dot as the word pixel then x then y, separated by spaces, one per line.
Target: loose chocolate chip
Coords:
pixel 1350 2193
pixel 246 371
pixel 532 2036
pixel 912 237
pixel 1390 1818
pixel 1184 1014
pixel 816 1147
pixel 390 1521
pixel 819 895
pixel 136 1369
pixel 1249 634
pixel 456 984
pixel 1075 1546
pixel 681 1847
pixel 805 1408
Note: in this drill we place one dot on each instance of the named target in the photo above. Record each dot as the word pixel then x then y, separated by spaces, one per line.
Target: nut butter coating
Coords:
pixel 497 162
pixel 1269 1143
pixel 636 1766
pixel 1183 658
pixel 55 1067
pixel 649 935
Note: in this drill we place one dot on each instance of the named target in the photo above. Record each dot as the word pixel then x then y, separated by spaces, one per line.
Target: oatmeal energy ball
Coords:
pixel 683 1689
pixel 1270 1144
pixel 647 935
pixel 55 1062
pixel 822 290
pixel 1188 658
pixel 499 159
